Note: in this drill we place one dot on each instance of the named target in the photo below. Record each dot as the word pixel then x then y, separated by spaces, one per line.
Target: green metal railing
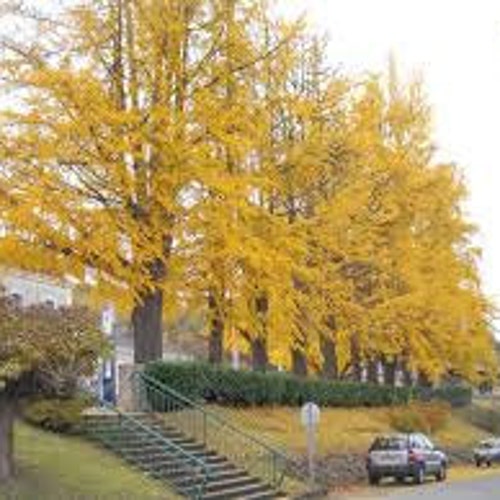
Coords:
pixel 122 429
pixel 214 431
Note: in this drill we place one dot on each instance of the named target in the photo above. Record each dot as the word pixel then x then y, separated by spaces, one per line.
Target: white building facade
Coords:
pixel 30 288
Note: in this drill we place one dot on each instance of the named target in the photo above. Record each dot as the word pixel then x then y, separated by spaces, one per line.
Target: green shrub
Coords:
pixel 456 395
pixel 223 385
pixel 420 417
pixel 57 415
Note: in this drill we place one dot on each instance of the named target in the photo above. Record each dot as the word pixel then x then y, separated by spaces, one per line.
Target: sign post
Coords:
pixel 107 385
pixel 235 359
pixel 309 416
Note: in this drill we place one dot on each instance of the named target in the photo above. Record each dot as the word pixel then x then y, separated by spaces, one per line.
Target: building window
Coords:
pixel 16 299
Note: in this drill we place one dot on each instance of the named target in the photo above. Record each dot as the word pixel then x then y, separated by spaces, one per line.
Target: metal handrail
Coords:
pixel 214 415
pixel 279 461
pixel 194 461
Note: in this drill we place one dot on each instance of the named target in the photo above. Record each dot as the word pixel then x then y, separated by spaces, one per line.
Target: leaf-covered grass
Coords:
pixel 465 472
pixel 52 467
pixel 485 414
pixel 341 430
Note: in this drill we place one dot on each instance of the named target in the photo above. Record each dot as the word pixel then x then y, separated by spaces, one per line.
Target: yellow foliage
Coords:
pixel 203 153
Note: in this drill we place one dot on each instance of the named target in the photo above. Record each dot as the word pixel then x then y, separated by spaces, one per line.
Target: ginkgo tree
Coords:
pixel 404 244
pixel 121 116
pixel 204 154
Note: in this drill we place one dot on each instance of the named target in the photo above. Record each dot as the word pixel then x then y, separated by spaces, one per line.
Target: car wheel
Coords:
pixel 419 475
pixel 373 479
pixel 488 463
pixel 441 475
pixel 400 479
pixel 478 462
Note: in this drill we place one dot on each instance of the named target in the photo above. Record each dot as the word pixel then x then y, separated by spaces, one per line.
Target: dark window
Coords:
pixel 416 443
pixel 486 445
pixel 16 299
pixel 390 443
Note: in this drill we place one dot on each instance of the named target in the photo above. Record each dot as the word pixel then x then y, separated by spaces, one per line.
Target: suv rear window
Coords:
pixel 487 444
pixel 390 443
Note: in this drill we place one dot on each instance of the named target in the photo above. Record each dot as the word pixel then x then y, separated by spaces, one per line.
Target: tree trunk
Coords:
pixel 147 324
pixel 216 340
pixel 299 362
pixel 357 369
pixel 372 370
pixel 390 372
pixel 6 437
pixel 407 374
pixel 329 352
pixel 407 378
pixel 424 381
pixel 260 358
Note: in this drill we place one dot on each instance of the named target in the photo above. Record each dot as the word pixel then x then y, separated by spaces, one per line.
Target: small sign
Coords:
pixel 108 320
pixel 235 359
pixel 309 415
pixel 107 375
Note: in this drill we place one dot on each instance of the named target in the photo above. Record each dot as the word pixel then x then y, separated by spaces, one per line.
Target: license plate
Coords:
pixel 389 460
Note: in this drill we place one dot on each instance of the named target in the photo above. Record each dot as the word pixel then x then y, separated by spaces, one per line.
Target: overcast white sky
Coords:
pixel 456 45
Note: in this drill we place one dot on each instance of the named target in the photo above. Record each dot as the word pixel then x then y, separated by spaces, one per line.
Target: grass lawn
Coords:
pixel 341 430
pixel 51 467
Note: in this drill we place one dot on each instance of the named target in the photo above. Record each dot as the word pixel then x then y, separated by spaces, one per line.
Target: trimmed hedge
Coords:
pixel 205 382
pixel 455 394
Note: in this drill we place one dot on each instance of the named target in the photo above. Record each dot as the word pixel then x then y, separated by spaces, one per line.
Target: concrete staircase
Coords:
pixel 167 454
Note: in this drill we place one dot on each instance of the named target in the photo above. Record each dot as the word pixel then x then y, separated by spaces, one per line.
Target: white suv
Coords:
pixel 487 452
pixel 405 455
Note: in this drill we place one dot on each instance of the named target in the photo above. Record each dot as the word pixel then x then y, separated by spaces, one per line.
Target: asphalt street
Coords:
pixel 484 488
pixel 476 489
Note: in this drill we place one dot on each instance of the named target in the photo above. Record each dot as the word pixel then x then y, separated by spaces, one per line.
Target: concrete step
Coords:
pixel 266 496
pixel 117 432
pixel 217 485
pixel 245 491
pixel 234 477
pixel 148 452
pixel 153 458
pixel 161 446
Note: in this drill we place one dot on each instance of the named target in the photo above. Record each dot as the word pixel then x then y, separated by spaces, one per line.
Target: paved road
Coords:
pixel 485 488
pixel 476 489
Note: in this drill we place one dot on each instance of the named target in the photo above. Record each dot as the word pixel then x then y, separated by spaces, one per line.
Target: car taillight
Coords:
pixel 414 456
